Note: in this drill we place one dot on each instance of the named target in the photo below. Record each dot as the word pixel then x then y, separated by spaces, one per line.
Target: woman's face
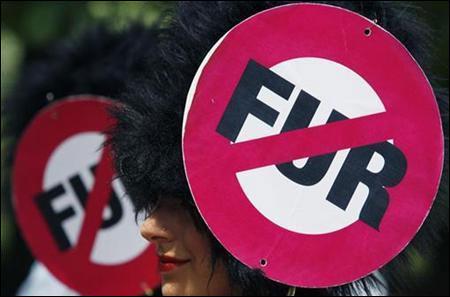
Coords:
pixel 184 253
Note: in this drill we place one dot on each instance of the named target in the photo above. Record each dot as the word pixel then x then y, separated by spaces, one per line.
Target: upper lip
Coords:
pixel 168 259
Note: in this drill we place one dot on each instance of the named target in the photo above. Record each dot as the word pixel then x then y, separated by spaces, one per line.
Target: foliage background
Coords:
pixel 27 27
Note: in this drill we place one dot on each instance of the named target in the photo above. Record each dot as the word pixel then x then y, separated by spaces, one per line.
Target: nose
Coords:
pixel 155 228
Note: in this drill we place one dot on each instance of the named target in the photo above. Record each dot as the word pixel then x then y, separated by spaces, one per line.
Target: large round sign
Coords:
pixel 72 211
pixel 312 144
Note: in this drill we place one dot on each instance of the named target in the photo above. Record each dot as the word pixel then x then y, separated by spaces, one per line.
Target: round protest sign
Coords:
pixel 312 144
pixel 71 208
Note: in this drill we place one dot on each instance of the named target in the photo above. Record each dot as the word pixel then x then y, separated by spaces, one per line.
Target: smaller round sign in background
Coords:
pixel 65 141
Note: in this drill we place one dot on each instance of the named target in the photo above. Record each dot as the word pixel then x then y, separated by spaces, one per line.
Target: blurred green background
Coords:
pixel 28 27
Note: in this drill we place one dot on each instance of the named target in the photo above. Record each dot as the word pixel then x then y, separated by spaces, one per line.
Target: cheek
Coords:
pixel 200 280
pixel 198 246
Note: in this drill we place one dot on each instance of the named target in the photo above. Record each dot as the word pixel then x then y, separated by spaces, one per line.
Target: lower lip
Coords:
pixel 169 266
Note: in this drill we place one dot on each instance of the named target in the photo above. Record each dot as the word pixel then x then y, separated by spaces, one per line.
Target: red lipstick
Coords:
pixel 167 264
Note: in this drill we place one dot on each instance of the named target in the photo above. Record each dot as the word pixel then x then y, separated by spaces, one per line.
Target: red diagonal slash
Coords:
pixel 96 202
pixel 310 142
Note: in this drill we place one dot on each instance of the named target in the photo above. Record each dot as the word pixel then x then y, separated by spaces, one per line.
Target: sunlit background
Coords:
pixel 29 27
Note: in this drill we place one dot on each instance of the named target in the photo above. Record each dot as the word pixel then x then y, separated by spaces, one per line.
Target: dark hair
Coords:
pixel 147 139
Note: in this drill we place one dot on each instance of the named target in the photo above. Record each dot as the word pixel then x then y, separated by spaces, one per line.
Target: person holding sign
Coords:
pixel 73 213
pixel 305 159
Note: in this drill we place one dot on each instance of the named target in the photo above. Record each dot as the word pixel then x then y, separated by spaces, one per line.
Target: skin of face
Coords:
pixel 173 232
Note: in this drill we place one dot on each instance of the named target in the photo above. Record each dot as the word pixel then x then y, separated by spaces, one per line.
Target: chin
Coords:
pixel 172 289
pixel 168 290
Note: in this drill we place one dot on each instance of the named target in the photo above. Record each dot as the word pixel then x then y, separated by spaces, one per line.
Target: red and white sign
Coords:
pixel 312 144
pixel 72 212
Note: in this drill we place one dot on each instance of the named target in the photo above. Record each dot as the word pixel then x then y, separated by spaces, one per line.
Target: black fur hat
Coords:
pixel 98 62
pixel 147 139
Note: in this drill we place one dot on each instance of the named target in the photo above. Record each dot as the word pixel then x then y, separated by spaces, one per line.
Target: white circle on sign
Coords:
pixel 114 245
pixel 295 207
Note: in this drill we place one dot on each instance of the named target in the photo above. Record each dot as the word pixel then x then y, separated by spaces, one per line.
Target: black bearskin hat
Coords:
pixel 98 62
pixel 147 139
